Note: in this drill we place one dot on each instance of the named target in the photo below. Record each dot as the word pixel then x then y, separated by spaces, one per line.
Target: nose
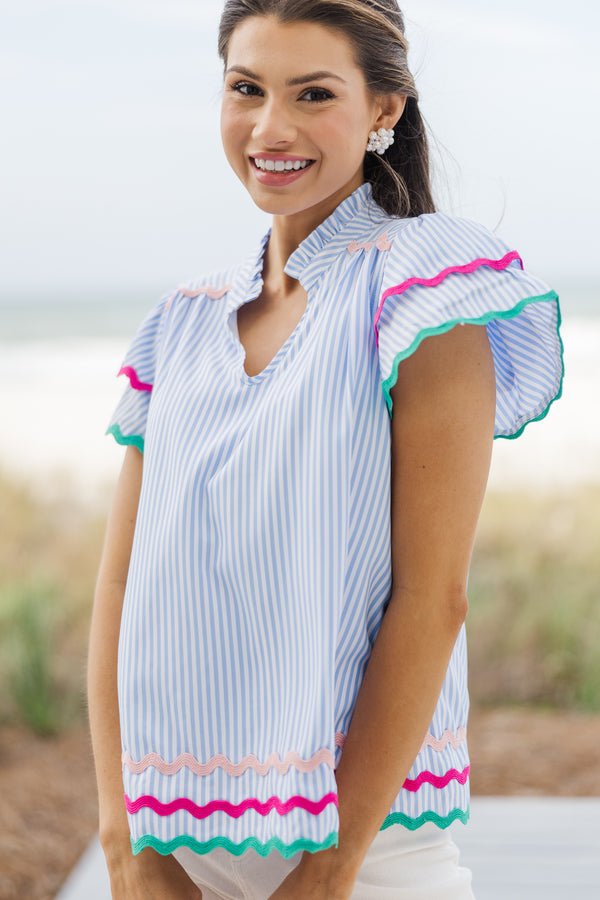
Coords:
pixel 274 125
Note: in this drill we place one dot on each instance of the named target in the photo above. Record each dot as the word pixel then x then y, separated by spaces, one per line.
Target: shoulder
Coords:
pixel 436 259
pixel 166 316
pixel 426 245
pixel 212 285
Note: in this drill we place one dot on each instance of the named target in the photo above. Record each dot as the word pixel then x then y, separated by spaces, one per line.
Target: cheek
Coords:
pixel 232 137
pixel 339 130
pixel 233 122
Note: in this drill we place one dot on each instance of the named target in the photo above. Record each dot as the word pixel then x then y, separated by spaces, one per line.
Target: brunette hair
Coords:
pixel 400 178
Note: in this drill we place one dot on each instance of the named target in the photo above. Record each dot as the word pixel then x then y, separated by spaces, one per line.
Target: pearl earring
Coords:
pixel 380 140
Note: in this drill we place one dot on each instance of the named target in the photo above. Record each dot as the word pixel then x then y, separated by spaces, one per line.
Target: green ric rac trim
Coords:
pixel 184 840
pixel 390 381
pixel 287 850
pixel 135 439
pixel 427 816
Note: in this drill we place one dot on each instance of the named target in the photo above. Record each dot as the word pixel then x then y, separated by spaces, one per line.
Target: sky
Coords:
pixel 112 170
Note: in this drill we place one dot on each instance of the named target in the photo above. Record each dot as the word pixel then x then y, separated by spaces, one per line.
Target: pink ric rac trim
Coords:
pixel 381 243
pixel 232 809
pixel 133 377
pixel 248 762
pixel 448 737
pixel 214 293
pixel 432 282
pixel 438 781
pixel 321 757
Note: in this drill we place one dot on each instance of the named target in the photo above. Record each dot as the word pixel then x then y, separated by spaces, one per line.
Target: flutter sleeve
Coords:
pixel 441 271
pixel 127 423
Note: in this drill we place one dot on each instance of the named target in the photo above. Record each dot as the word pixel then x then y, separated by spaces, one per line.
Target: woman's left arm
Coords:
pixel 442 437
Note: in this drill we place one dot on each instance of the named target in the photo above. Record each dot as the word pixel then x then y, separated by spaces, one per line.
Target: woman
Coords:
pixel 289 576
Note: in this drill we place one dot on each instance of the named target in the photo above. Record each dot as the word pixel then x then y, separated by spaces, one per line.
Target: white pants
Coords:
pixel 400 865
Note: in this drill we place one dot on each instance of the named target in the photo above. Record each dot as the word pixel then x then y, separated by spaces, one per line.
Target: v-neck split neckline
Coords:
pixel 306 264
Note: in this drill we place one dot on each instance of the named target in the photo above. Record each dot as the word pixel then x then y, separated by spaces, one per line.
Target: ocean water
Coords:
pixel 59 356
pixel 85 314
pixel 31 317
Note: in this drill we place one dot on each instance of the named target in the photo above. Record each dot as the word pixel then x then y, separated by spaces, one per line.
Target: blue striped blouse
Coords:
pixel 261 561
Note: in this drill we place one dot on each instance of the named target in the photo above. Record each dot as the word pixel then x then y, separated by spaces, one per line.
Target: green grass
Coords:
pixel 49 556
pixel 28 623
pixel 534 618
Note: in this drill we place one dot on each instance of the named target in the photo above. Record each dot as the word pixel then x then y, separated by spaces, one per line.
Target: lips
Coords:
pixel 273 157
pixel 280 159
pixel 284 171
pixel 279 177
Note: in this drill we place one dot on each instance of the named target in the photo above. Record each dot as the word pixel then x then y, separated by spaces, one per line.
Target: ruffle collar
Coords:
pixel 306 262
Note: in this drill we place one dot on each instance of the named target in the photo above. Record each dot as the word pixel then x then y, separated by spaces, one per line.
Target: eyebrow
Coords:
pixel 300 79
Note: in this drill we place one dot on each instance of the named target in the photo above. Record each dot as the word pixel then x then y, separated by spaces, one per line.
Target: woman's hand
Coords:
pixel 149 876
pixel 308 884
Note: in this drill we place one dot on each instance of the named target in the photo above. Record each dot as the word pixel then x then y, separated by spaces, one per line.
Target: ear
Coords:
pixel 392 108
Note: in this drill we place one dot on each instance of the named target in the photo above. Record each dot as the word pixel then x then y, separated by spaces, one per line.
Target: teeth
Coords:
pixel 279 165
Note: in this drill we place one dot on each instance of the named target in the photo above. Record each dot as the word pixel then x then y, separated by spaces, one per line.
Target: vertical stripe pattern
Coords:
pixel 261 559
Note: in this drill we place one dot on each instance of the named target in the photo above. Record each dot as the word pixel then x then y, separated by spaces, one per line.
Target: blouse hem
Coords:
pixel 288 850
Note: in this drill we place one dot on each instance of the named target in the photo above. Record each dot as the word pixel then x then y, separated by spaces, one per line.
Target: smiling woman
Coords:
pixel 316 437
pixel 316 112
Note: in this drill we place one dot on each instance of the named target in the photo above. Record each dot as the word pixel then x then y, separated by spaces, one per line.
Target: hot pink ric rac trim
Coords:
pixel 381 243
pixel 439 744
pixel 432 282
pixel 133 377
pixel 248 762
pixel 438 781
pixel 232 809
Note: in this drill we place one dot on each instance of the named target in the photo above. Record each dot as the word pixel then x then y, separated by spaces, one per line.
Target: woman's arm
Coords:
pixel 103 707
pixel 442 433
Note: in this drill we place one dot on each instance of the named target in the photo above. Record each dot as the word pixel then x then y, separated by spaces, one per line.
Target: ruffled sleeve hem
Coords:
pixel 127 423
pixel 451 271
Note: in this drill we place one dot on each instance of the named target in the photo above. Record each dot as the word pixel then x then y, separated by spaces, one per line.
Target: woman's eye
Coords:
pixel 327 94
pixel 240 84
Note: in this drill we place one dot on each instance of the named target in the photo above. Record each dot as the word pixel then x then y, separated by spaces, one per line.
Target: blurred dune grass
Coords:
pixel 49 555
pixel 533 624
pixel 534 617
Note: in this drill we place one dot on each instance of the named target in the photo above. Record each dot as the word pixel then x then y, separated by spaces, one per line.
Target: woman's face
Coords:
pixel 325 119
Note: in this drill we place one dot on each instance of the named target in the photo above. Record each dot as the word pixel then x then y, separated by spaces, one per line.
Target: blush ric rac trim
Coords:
pixel 273 761
pixel 382 243
pixel 213 293
pixel 439 744
pixel 186 291
pixel 323 756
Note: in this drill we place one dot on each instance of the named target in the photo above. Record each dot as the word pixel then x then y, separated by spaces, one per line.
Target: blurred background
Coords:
pixel 114 188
